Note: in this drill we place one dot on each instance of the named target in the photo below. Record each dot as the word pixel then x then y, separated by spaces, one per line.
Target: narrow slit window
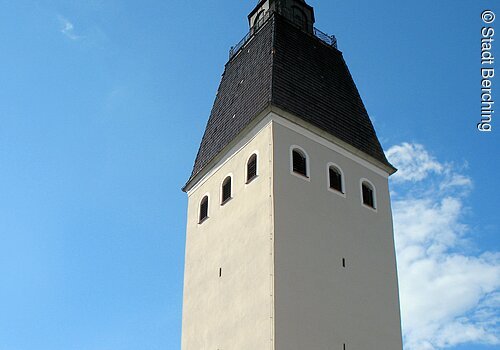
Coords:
pixel 204 209
pixel 252 168
pixel 299 163
pixel 226 190
pixel 368 195
pixel 335 179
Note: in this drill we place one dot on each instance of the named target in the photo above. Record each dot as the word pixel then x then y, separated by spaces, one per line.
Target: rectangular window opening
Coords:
pixel 203 210
pixel 343 262
pixel 335 180
pixel 220 272
pixel 368 197
pixel 299 164
pixel 252 169
pixel 226 190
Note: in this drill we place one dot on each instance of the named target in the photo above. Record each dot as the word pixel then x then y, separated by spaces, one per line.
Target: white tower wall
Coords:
pixel 232 311
pixel 281 243
pixel 319 303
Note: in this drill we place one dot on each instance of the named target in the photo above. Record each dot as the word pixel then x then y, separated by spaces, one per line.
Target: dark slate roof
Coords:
pixel 311 80
pixel 295 71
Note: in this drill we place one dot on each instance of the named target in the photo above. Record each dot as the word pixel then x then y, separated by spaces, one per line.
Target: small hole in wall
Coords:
pixel 220 272
pixel 343 265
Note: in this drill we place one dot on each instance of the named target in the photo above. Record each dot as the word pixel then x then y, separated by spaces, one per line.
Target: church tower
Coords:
pixel 289 242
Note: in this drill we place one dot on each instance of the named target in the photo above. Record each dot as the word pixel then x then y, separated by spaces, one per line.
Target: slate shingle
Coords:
pixel 311 80
pixel 297 72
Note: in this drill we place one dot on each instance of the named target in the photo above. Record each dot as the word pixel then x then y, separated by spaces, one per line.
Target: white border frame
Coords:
pixel 308 163
pixel 375 204
pixel 248 182
pixel 334 165
pixel 222 203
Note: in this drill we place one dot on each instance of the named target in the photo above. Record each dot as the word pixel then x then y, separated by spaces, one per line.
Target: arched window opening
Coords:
pixel 203 209
pixel 259 20
pixel 368 195
pixel 252 168
pixel 299 162
pixel 226 190
pixel 335 176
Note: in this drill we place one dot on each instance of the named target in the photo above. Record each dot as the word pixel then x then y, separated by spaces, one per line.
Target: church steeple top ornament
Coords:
pixel 296 11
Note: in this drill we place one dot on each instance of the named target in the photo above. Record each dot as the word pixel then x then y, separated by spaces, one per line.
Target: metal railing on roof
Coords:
pixel 234 49
pixel 258 24
pixel 330 40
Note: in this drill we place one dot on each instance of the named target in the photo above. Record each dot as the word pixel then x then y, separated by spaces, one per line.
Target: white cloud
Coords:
pixel 68 28
pixel 448 297
pixel 413 161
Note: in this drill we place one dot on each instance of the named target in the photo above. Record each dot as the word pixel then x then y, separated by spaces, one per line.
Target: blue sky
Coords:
pixel 102 108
